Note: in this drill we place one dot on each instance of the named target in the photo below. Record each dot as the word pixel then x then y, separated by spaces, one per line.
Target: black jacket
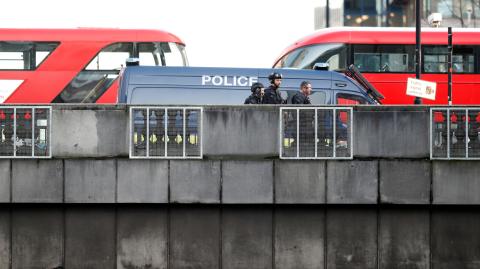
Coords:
pixel 272 96
pixel 300 98
pixel 253 99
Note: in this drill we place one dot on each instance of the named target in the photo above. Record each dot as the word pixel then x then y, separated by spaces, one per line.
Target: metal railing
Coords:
pixel 166 132
pixel 316 133
pixel 455 133
pixel 25 131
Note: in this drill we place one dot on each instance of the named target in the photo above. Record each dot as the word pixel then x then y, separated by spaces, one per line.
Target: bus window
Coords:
pixel 350 99
pixel 151 54
pixel 24 55
pixel 334 54
pixel 174 54
pixel 435 59
pixel 383 58
pixel 112 57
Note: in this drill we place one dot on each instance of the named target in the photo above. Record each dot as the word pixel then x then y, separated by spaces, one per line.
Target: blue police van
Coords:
pixel 162 85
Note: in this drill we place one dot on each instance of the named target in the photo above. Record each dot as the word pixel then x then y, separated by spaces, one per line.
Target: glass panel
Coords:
pixel 343 133
pixel 289 144
pixel 24 55
pixel 439 133
pixel 307 133
pixel 41 132
pixel 324 133
pixel 436 59
pixel 175 132
pixel 6 122
pixel 24 132
pixel 112 57
pixel 157 132
pixel 174 54
pixel 305 58
pixel 87 87
pixel 474 133
pixel 192 132
pixel 350 99
pixel 384 58
pixel 139 132
pixel 150 54
pixel 457 134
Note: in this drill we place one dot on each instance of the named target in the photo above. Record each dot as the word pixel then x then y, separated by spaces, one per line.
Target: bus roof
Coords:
pixel 385 35
pixel 88 34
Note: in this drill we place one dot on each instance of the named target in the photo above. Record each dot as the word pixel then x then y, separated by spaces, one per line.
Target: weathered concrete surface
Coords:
pixel 247 182
pixel 404 238
pixel 102 132
pixel 195 181
pixel 351 238
pixel 247 238
pixel 405 182
pixel 233 130
pixel 142 238
pixel 455 239
pixel 195 238
pixel 352 182
pixel 37 181
pixel 299 182
pixel 37 238
pixel 90 238
pixel 299 238
pixel 5 181
pixel 456 182
pixel 142 181
pixel 391 132
pixel 90 181
pixel 4 238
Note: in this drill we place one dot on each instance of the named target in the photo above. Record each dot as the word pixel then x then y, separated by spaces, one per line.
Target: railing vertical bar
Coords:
pixel 334 139
pixel 184 131
pixel 316 130
pixel 147 138
pixel 298 133
pixel 165 134
pixel 448 133
pixel 14 132
pixel 33 132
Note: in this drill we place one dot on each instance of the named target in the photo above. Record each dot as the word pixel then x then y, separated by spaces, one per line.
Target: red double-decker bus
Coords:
pixel 386 56
pixel 77 65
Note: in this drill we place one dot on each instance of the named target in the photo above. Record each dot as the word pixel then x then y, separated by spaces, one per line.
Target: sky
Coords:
pixel 223 33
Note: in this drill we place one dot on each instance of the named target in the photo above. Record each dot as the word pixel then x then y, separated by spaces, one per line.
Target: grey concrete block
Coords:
pixel 300 182
pixel 142 181
pixel 405 182
pixel 195 238
pixel 351 238
pixel 37 181
pixel 90 238
pixel 456 182
pixel 352 182
pixel 247 238
pixel 89 133
pixel 455 238
pixel 299 238
pixel 404 239
pixel 142 238
pixel 4 238
pixel 37 238
pixel 237 130
pixel 5 181
pixel 195 181
pixel 247 182
pixel 90 181
pixel 391 132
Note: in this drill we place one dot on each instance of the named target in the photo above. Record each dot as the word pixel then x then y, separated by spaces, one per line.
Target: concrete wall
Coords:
pixel 212 236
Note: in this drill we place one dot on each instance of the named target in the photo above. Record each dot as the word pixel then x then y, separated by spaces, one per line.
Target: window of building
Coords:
pixel 24 55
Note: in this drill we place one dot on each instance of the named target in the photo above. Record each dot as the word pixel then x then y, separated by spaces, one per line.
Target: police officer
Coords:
pixel 272 93
pixel 258 91
pixel 301 97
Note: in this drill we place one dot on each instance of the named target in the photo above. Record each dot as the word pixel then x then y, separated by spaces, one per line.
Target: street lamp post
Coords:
pixel 418 47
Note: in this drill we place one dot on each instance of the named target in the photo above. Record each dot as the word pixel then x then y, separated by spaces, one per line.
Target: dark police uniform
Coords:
pixel 253 99
pixel 272 96
pixel 300 98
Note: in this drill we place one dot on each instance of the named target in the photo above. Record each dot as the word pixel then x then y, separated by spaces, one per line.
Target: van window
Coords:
pixel 350 99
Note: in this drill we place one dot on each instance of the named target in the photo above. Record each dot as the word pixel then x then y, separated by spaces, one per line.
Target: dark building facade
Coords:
pixel 394 13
